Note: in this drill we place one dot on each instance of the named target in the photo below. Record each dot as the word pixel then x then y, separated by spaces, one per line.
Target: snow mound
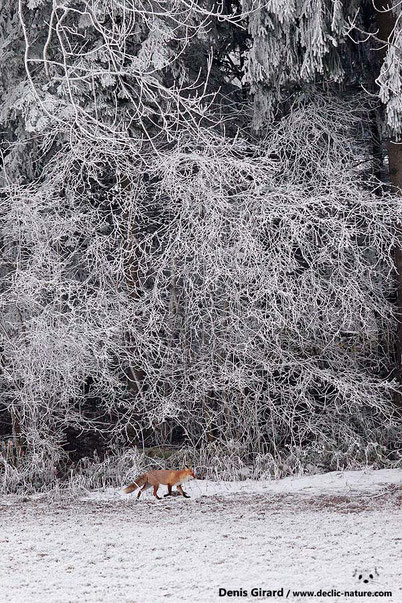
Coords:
pixel 346 483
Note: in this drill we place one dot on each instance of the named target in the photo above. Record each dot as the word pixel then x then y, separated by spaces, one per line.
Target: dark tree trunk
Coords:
pixel 395 173
pixel 376 148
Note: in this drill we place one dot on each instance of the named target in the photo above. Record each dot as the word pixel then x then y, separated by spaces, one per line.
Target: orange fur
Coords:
pixel 158 477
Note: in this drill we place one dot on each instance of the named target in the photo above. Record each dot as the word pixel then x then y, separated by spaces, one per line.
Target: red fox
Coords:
pixel 161 476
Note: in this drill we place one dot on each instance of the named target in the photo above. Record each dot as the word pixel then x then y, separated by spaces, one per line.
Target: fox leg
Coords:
pixel 156 492
pixel 144 487
pixel 169 490
pixel 180 489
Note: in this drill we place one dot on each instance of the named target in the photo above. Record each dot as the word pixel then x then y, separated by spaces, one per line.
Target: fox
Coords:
pixel 166 477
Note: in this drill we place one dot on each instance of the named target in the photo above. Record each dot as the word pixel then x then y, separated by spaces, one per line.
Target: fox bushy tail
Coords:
pixel 140 481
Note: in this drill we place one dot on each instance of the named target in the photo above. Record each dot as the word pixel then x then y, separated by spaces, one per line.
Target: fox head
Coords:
pixel 189 472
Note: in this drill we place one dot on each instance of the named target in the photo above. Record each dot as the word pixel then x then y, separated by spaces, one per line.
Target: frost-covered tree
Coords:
pixel 354 45
pixel 169 276
pixel 325 42
pixel 91 94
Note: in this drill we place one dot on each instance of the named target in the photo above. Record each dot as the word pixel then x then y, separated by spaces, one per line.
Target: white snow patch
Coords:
pixel 345 483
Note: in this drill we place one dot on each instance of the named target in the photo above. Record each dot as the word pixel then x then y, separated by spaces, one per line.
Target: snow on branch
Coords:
pixel 231 290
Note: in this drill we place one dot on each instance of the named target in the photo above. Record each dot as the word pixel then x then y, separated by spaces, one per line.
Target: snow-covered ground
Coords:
pixel 306 533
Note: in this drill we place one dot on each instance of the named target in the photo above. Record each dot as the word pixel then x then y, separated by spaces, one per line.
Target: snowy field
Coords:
pixel 307 533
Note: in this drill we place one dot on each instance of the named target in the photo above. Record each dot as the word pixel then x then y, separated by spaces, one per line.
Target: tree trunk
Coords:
pixel 134 373
pixel 395 174
pixel 18 448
